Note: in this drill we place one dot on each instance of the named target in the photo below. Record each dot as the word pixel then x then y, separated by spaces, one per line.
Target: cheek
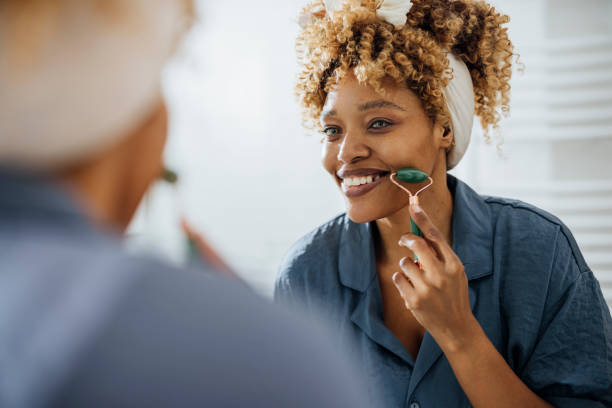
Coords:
pixel 161 135
pixel 148 153
pixel 145 163
pixel 329 154
pixel 157 135
pixel 411 148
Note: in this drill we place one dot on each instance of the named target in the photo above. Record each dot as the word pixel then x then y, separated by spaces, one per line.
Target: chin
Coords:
pixel 362 211
pixel 363 215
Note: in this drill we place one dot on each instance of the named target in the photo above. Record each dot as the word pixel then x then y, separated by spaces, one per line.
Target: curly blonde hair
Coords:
pixel 354 40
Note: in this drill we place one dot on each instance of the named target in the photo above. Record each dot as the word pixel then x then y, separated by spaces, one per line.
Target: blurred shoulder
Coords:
pixel 167 325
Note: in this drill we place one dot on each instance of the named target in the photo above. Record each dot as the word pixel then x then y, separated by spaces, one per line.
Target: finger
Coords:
pixel 187 229
pixel 427 256
pixel 406 290
pixel 431 232
pixel 427 280
pixel 414 274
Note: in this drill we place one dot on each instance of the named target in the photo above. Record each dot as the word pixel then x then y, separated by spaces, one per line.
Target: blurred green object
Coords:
pixel 194 257
pixel 169 176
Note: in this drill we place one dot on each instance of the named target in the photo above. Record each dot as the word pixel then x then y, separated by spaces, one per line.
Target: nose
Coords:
pixel 352 149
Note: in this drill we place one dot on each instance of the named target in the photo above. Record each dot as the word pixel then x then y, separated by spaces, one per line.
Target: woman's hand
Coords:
pixel 437 292
pixel 437 295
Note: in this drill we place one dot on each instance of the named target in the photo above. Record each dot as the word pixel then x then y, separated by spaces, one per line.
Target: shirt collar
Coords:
pixel 35 199
pixel 472 240
pixel 357 259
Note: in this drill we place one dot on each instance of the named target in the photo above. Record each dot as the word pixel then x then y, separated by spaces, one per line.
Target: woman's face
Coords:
pixel 367 136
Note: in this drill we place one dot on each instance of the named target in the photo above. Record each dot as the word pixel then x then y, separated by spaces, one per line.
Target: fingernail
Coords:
pixel 407 242
pixel 394 277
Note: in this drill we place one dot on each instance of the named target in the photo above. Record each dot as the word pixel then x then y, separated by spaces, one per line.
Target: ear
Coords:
pixel 443 136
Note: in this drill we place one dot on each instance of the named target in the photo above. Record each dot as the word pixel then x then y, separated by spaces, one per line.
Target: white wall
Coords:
pixel 559 137
pixel 251 178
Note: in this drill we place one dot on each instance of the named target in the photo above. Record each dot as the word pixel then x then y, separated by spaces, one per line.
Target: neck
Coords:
pixel 105 186
pixel 113 183
pixel 436 201
pixel 98 187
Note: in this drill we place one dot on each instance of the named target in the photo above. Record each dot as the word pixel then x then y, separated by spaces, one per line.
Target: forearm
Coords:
pixel 484 375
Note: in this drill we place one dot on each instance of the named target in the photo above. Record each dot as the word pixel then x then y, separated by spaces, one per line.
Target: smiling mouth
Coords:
pixel 358 185
pixel 361 180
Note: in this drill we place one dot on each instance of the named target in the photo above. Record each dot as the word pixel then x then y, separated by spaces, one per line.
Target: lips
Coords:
pixel 358 182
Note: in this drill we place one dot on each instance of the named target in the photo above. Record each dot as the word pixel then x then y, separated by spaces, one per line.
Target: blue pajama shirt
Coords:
pixel 529 287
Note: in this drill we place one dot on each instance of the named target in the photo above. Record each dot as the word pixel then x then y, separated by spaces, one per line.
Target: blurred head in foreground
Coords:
pixel 81 99
pixel 84 323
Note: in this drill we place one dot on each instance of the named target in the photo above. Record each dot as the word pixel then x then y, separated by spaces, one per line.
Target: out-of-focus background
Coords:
pixel 250 177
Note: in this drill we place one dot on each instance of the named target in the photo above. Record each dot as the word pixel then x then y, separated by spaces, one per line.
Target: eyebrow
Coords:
pixel 327 113
pixel 381 103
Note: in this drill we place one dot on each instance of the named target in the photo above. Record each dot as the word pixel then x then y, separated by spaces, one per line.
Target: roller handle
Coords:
pixel 416 231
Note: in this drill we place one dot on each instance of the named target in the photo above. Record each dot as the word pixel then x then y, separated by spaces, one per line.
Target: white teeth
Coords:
pixel 357 181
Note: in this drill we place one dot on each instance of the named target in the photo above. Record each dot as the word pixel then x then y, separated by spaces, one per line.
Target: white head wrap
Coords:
pixel 91 81
pixel 459 93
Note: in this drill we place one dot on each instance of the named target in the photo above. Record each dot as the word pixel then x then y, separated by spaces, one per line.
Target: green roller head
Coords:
pixel 414 176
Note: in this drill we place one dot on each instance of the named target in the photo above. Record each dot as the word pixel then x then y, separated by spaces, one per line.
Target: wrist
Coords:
pixel 462 341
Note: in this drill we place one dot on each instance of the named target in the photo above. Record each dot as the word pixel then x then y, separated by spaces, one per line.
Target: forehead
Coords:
pixel 351 95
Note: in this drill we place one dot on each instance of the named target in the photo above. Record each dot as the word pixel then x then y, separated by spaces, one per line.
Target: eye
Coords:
pixel 331 132
pixel 380 124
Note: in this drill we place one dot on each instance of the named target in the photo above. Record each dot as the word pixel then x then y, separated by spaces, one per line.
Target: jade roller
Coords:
pixel 412 176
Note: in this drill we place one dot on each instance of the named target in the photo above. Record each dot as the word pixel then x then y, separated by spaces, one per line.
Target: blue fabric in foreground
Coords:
pixel 84 324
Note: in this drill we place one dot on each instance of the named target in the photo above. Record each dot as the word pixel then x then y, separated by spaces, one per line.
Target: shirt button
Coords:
pixel 415 404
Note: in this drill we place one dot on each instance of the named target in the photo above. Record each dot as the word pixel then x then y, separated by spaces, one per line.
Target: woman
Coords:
pixel 501 310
